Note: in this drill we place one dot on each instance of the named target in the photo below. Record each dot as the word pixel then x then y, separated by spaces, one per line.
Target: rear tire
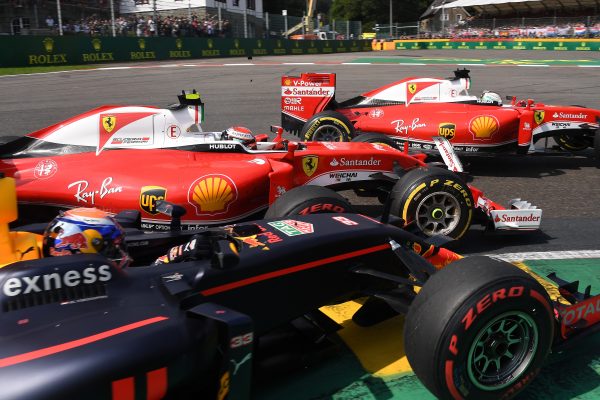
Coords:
pixel 308 200
pixel 6 139
pixel 328 126
pixel 479 329
pixel 571 142
pixel 435 200
pixel 376 138
pixel 597 145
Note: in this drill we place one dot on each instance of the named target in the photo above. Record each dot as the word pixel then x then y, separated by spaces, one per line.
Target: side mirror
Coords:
pixel 172 210
pixel 278 130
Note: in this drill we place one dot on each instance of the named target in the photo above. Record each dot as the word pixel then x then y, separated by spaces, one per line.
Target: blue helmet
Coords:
pixel 85 230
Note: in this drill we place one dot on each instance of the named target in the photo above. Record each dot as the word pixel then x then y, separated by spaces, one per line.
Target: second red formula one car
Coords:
pixel 220 180
pixel 415 110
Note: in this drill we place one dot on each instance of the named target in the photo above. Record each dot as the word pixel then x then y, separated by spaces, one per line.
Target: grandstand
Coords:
pixel 512 18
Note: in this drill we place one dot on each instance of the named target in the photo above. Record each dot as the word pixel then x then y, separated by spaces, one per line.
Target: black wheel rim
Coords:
pixel 502 351
pixel 328 133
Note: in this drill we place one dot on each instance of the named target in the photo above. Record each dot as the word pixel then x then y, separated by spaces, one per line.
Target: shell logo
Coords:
pixel 484 127
pixel 212 194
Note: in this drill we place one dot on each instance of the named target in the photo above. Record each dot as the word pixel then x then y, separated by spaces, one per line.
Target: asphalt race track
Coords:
pixel 246 92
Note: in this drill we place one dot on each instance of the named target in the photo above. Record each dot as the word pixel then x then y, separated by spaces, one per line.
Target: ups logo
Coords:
pixel 447 130
pixel 148 197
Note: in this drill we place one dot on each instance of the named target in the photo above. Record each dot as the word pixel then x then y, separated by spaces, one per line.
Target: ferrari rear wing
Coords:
pixel 304 96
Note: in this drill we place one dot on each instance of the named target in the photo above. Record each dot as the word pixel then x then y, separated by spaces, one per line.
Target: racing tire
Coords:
pixel 6 139
pixel 376 138
pixel 597 145
pixel 303 200
pixel 571 142
pixel 479 329
pixel 435 200
pixel 328 126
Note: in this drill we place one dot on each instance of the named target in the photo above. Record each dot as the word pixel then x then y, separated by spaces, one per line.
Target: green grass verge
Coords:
pixel 35 70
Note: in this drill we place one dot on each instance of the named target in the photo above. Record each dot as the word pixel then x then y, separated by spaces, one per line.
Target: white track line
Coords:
pixel 236 65
pixel 548 255
pixel 472 65
pixel 533 65
pixel 357 63
pixel 409 64
pixel 108 68
pixel 589 66
pixel 298 63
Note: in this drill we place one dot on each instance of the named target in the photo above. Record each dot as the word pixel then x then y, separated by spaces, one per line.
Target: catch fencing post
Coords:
pixel 60 30
pixel 267 24
pixel 112 17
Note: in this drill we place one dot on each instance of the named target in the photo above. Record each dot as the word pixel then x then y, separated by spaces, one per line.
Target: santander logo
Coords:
pixel 517 218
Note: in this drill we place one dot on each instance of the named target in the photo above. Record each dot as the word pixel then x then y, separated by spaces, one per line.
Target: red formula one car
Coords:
pixel 83 162
pixel 415 110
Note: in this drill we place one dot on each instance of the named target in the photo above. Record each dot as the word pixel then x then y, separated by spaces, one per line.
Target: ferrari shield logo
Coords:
pixel 109 122
pixel 538 116
pixel 309 164
pixel 412 88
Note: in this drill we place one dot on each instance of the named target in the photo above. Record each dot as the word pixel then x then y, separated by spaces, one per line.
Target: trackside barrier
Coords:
pixel 24 51
pixel 499 44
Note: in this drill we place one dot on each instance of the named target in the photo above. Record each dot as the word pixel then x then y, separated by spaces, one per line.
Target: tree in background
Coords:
pixel 378 11
pixel 294 7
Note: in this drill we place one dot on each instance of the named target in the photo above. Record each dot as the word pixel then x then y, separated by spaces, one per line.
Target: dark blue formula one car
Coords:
pixel 83 327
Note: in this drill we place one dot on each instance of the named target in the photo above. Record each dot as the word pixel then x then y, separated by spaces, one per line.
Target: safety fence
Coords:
pixel 19 51
pixel 496 44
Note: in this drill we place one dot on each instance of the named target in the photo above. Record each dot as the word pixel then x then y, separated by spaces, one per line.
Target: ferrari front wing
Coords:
pixel 520 215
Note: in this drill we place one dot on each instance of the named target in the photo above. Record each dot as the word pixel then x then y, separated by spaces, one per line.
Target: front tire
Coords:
pixel 479 329
pixel 570 142
pixel 597 144
pixel 376 138
pixel 435 200
pixel 308 200
pixel 328 126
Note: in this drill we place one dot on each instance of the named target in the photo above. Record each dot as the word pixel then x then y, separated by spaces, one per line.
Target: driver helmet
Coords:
pixel 491 97
pixel 87 231
pixel 240 134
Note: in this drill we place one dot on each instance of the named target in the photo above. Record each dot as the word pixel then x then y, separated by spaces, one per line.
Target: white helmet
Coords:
pixel 491 97
pixel 240 134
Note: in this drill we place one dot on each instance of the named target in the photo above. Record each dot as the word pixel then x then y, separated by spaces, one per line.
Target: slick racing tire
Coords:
pixel 571 142
pixel 597 145
pixel 308 200
pixel 478 329
pixel 435 201
pixel 6 139
pixel 328 126
pixel 376 138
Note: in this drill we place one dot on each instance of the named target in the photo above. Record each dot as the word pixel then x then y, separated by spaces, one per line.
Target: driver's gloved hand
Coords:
pixel 198 247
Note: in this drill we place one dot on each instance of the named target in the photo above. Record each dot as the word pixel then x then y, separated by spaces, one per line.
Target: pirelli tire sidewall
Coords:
pixel 452 312
pixel 376 138
pixel 597 144
pixel 331 119
pixel 571 142
pixel 304 200
pixel 420 182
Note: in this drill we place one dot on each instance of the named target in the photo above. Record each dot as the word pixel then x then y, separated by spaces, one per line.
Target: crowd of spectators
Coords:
pixel 579 30
pixel 475 28
pixel 145 26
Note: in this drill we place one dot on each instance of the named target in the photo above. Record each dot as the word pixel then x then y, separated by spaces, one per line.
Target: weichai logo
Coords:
pixel 148 197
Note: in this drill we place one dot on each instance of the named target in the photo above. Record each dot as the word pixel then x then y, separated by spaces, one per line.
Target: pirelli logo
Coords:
pixel 447 130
